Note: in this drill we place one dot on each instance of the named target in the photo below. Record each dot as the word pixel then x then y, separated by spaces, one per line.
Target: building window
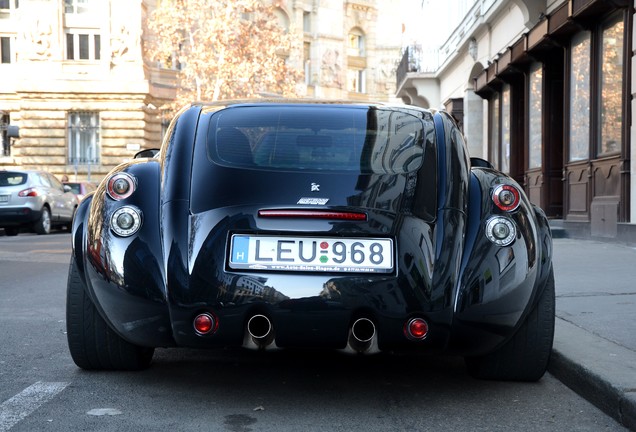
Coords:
pixel 6 6
pixel 77 6
pixel 282 18
pixel 83 138
pixel 307 22
pixel 611 72
pixel 579 124
pixel 4 135
pixel 83 46
pixel 494 130
pixel 356 81
pixel 534 114
pixel 356 43
pixel 505 129
pixel 5 49
pixel 307 62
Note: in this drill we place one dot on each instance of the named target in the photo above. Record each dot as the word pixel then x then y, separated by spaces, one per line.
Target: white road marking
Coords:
pixel 104 411
pixel 28 400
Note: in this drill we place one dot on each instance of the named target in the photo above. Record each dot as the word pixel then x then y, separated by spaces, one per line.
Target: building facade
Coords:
pixel 75 82
pixel 543 90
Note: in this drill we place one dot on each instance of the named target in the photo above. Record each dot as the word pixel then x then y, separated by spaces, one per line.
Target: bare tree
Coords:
pixel 224 49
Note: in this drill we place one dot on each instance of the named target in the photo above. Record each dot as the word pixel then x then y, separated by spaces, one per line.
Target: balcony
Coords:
pixel 416 74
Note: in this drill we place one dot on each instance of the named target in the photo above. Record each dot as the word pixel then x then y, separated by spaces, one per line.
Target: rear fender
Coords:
pixel 498 285
pixel 125 276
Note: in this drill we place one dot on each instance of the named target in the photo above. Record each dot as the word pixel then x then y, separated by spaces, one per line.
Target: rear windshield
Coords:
pixel 317 138
pixel 8 178
pixel 76 188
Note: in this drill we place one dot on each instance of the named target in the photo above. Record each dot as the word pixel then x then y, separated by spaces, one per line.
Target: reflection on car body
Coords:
pixel 358 227
pixel 80 188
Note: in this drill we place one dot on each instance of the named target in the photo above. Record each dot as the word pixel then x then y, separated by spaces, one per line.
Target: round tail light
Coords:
pixel 126 221
pixel 500 230
pixel 120 186
pixel 205 323
pixel 506 197
pixel 416 329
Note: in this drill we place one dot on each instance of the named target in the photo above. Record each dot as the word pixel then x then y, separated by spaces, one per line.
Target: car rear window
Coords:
pixel 317 138
pixel 76 188
pixel 8 178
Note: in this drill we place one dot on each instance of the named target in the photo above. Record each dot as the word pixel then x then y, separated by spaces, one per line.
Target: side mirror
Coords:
pixel 147 153
pixel 67 188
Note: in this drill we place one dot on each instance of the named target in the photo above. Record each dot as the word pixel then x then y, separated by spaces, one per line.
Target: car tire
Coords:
pixel 92 343
pixel 525 357
pixel 43 225
pixel 11 232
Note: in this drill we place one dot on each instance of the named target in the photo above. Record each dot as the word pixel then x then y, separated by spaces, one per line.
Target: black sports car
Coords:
pixel 359 227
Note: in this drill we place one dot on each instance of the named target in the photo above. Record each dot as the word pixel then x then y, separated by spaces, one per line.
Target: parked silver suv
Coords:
pixel 35 200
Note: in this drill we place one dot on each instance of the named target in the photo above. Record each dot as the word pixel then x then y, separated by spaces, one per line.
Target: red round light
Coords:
pixel 416 328
pixel 204 323
pixel 506 197
pixel 120 186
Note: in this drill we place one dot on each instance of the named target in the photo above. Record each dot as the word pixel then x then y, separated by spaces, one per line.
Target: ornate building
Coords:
pixel 76 84
pixel 543 89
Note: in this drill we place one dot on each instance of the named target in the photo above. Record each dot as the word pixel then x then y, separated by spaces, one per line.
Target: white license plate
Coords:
pixel 311 254
pixel 4 198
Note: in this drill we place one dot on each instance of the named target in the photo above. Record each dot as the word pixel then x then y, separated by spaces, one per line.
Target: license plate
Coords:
pixel 4 198
pixel 311 254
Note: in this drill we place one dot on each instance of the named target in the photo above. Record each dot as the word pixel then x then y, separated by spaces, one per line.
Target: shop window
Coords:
pixel 494 130
pixel 534 113
pixel 579 123
pixel 83 138
pixel 505 129
pixel 611 81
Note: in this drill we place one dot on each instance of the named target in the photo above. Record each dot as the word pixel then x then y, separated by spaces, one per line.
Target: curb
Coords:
pixel 602 372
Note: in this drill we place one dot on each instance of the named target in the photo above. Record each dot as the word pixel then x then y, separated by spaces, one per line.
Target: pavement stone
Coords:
pixel 594 349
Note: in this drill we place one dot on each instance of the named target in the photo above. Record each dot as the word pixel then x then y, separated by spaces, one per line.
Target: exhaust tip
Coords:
pixel 362 336
pixel 259 327
pixel 363 330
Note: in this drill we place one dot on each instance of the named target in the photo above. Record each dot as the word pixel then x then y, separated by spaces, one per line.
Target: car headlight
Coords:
pixel 501 230
pixel 126 221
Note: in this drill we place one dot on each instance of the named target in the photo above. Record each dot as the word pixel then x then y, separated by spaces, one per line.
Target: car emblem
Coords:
pixel 315 187
pixel 313 201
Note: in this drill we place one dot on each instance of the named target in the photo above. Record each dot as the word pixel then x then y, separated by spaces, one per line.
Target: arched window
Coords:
pixel 282 18
pixel 357 62
pixel 356 43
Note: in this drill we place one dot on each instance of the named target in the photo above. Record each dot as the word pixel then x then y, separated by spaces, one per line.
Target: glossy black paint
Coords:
pixel 149 287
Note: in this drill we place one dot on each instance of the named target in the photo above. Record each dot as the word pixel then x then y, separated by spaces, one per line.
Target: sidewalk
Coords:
pixel 595 336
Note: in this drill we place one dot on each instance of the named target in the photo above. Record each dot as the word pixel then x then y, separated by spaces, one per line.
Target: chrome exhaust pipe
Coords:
pixel 259 328
pixel 362 335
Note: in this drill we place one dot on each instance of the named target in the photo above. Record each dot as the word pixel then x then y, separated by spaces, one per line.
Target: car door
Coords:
pixel 62 202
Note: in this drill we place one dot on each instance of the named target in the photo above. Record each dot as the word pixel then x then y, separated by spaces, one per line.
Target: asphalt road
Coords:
pixel 236 390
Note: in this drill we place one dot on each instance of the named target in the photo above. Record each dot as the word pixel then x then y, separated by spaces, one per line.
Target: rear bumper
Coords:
pixel 18 216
